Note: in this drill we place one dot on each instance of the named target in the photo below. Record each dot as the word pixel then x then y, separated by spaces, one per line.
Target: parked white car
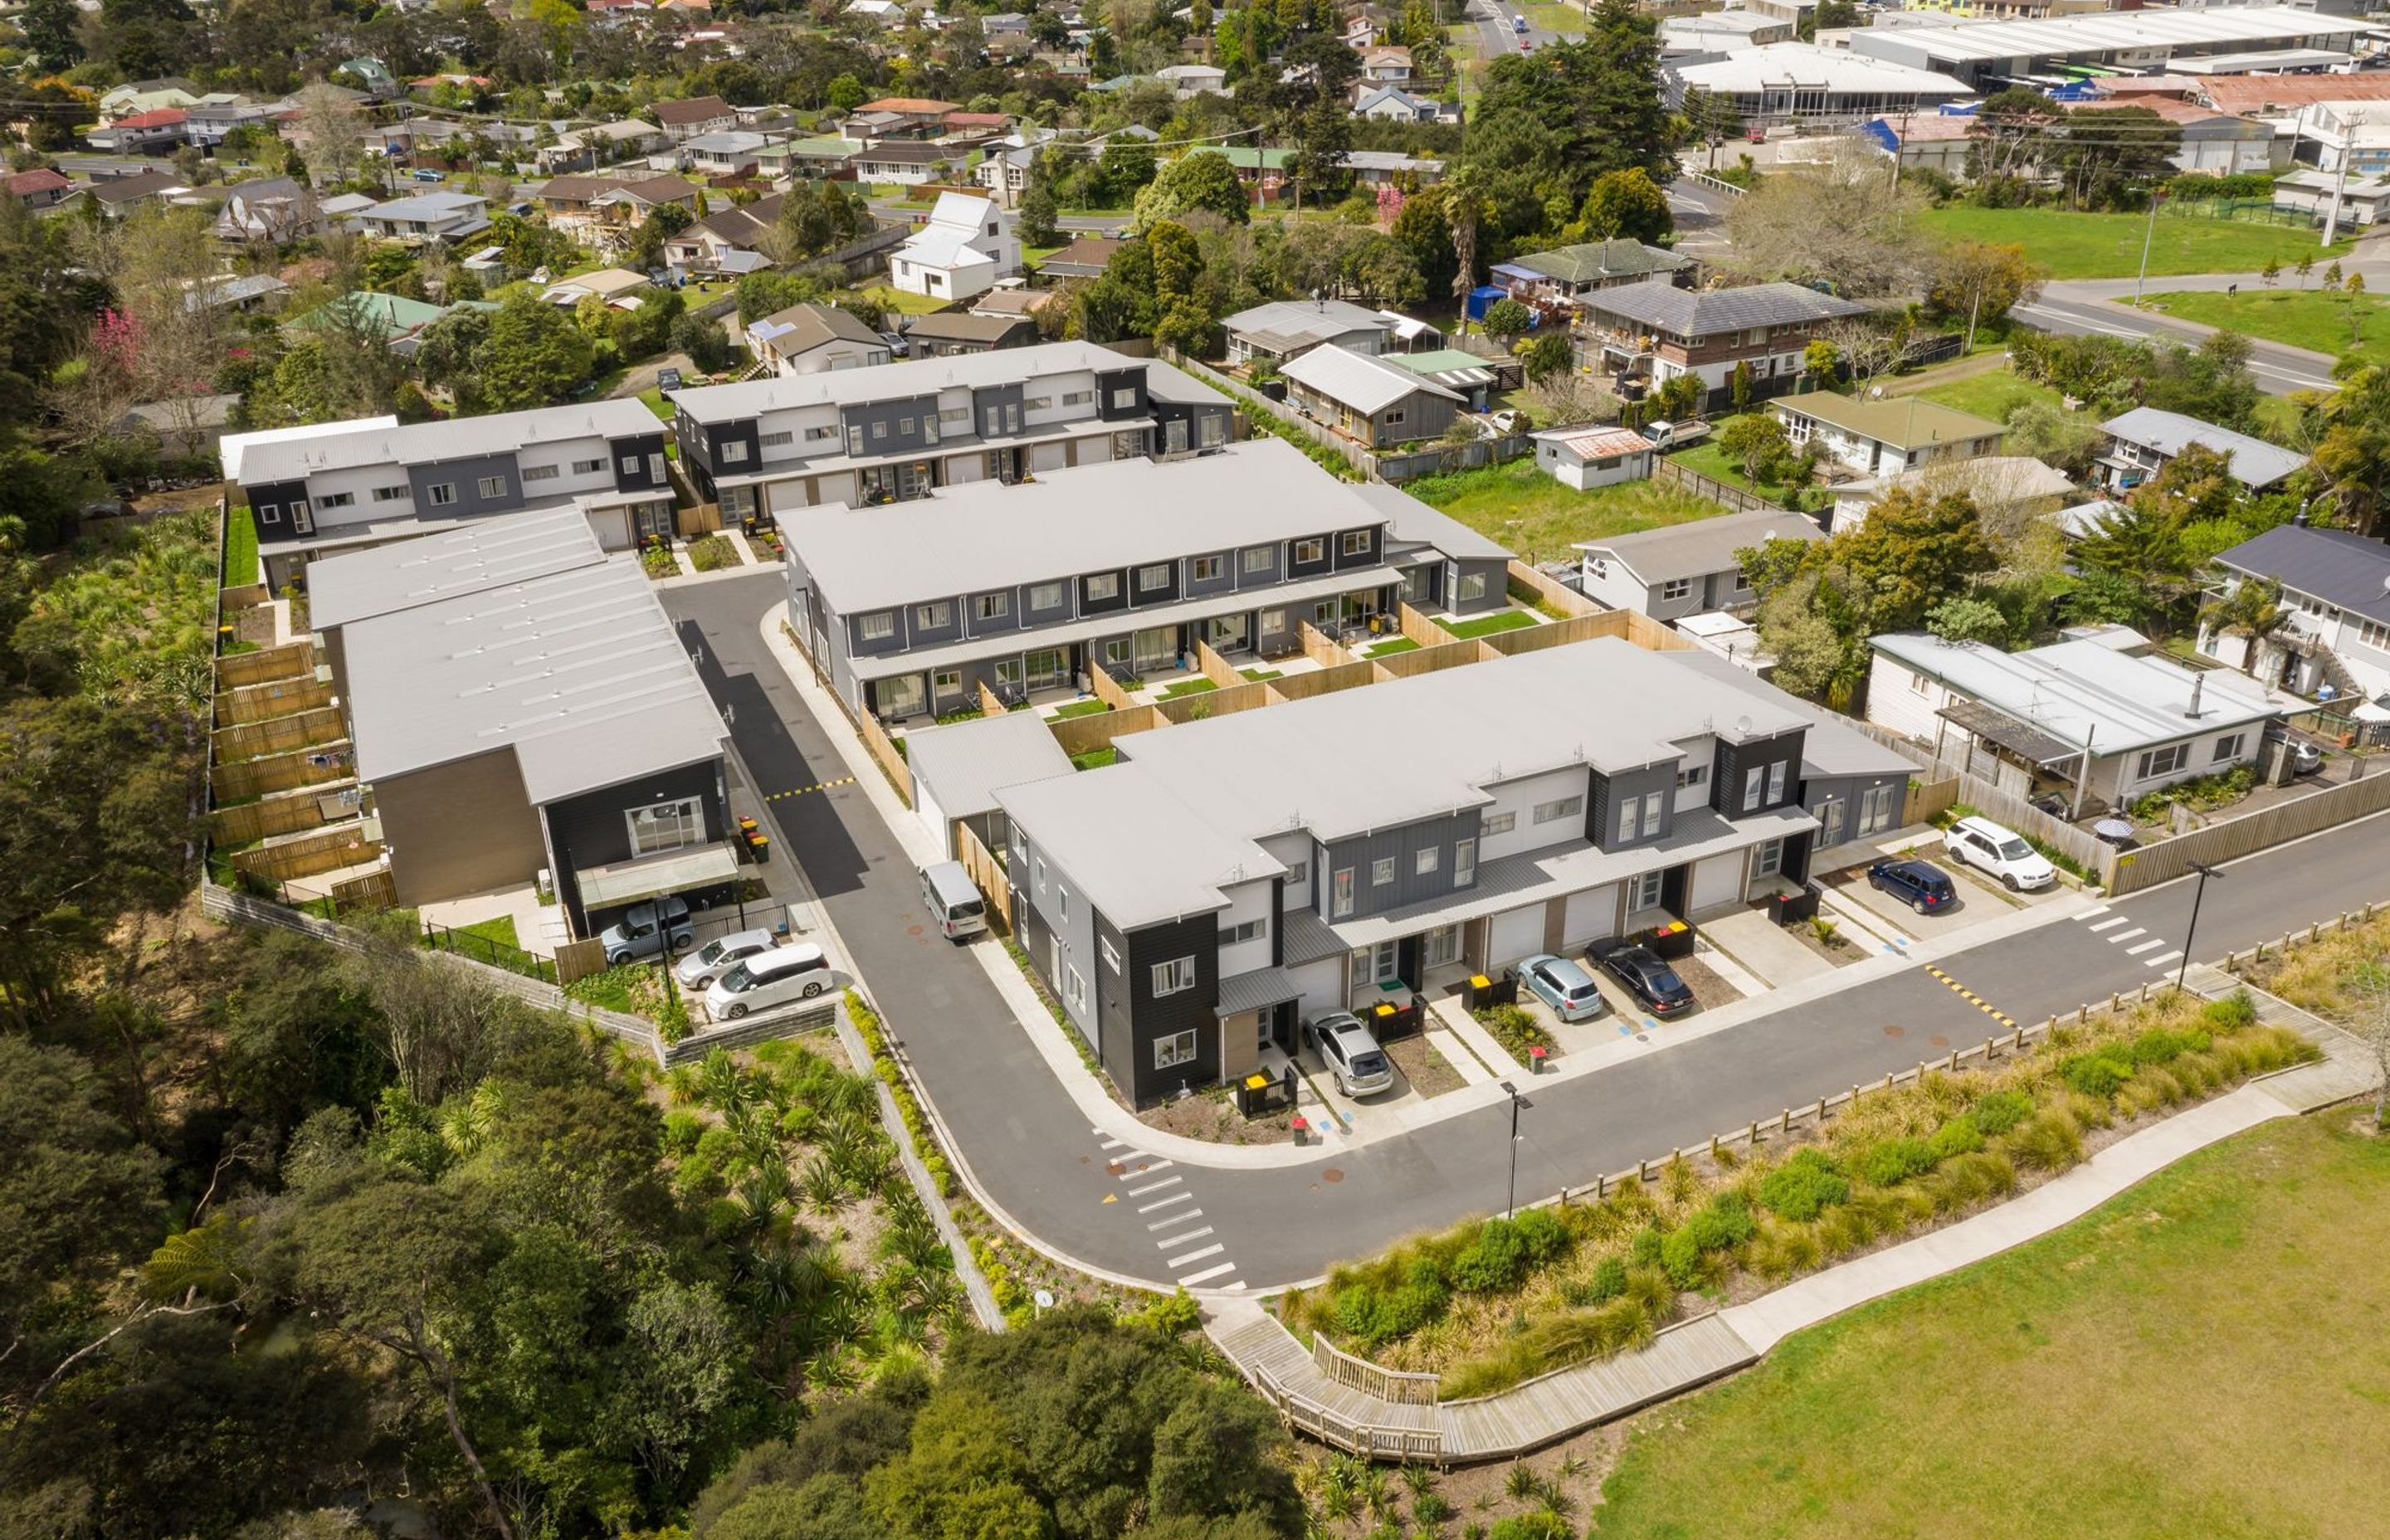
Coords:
pixel 781 976
pixel 2001 852
pixel 700 968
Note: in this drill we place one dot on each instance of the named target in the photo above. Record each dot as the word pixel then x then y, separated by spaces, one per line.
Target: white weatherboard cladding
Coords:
pixel 1521 798
pixel 1519 933
pixel 1292 851
pixel 1894 701
pixel 1717 882
pixel 1247 900
pixel 1591 915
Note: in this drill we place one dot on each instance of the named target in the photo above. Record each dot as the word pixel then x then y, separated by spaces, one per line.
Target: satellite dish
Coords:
pixel 1742 724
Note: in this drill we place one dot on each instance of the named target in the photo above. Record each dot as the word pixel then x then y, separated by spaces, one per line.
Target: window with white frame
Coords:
pixel 1778 775
pixel 1471 586
pixel 1111 953
pixel 731 451
pixel 1077 398
pixel 1206 569
pixel 1426 861
pixel 904 427
pixel 879 430
pixel 1754 786
pixel 1643 892
pixel 631 462
pixel 1170 978
pixel 1310 550
pixel 1297 873
pixel 2227 747
pixel 1074 989
pixel 391 495
pixel 1061 903
pixel 1045 595
pixel 1104 586
pixel 928 617
pixel 1273 622
pixel 1653 802
pixel 1381 871
pixel 1626 819
pixel 2375 634
pixel 1355 543
pixel 1498 822
pixel 1464 863
pixel 1917 683
pixel 946 682
pixel 1174 1050
pixel 541 472
pixel 2166 761
pixel 666 826
pixel 442 493
pixel 1153 577
pixel 1251 929
pixel 1674 589
pixel 1394 417
pixel 877 627
pixel 1339 898
pixel 993 606
pixel 955 415
pixel 1770 859
pixel 1553 811
pixel 1259 559
pixel 1211 430
pixel 1125 398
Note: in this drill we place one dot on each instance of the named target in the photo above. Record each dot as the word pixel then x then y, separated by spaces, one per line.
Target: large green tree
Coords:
pixel 1200 181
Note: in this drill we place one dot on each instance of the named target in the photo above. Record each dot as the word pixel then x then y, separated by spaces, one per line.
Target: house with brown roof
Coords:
pixel 1084 258
pixel 694 115
pixel 122 194
pixel 911 115
pixel 43 187
pixel 727 240
pixel 814 339
pixel 951 332
pixel 603 210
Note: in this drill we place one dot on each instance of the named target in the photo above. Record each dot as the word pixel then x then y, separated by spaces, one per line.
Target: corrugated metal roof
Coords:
pixel 960 765
pixel 2255 463
pixel 1360 380
pixel 2333 565
pixel 480 557
pixel 1661 305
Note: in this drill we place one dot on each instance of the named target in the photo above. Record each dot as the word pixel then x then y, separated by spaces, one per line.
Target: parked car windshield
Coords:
pixel 710 953
pixel 970 910
pixel 1664 981
pixel 737 980
pixel 1584 989
pixel 2014 850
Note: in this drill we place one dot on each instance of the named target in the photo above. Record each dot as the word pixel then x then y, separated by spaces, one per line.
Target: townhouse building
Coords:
pixel 348 485
pixel 1229 878
pixel 1125 566
pixel 768 447
pixel 2335 634
pixel 1650 332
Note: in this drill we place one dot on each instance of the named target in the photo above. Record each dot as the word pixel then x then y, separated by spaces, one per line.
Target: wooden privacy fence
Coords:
pixel 283 813
pixel 370 891
pixel 1671 473
pixel 988 872
pixel 1319 646
pixel 1404 1387
pixel 291 660
pixel 307 855
pixel 1082 735
pixel 1927 799
pixel 1243 696
pixel 2133 870
pixel 278 735
pixel 319 766
pixel 247 596
pixel 272 698
pixel 1432 660
pixel 1530 586
pixel 1325 680
pixel 1398 466
pixel 1215 668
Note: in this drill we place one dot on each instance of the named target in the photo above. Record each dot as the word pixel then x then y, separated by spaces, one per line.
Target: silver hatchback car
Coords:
pixel 1361 1068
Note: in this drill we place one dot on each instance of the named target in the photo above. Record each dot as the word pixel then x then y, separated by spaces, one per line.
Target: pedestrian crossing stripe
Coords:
pixel 1971 998
pixel 817 786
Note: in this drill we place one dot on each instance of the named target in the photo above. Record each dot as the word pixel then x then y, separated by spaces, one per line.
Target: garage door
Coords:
pixel 1591 915
pixel 1323 986
pixel 1717 882
pixel 1049 456
pixel 1517 934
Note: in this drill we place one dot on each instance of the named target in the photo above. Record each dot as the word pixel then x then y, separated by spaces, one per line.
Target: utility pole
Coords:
pixel 2147 235
pixel 2339 191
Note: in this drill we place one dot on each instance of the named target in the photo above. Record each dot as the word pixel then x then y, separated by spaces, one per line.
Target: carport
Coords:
pixel 621 885
pixel 2010 753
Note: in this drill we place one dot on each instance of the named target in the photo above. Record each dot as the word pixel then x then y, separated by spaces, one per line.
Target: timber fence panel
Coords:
pixel 292 660
pixel 2251 832
pixel 319 766
pixel 272 698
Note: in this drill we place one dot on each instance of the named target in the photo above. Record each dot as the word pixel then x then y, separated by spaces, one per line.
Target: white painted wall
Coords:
pixel 1521 796
pixel 1717 882
pixel 1903 701
pixel 1292 851
pixel 1247 900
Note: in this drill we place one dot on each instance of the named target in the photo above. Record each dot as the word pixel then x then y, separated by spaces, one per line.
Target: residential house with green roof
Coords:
pixel 1570 271
pixel 1887 435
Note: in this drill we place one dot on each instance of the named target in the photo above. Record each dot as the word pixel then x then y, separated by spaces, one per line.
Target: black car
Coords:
pixel 1649 977
pixel 1920 884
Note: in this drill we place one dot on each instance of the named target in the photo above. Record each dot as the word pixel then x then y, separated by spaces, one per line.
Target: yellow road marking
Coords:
pixel 817 786
pixel 1971 998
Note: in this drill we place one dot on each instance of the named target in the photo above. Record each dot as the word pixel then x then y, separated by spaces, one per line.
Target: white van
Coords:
pixel 954 900
pixel 765 979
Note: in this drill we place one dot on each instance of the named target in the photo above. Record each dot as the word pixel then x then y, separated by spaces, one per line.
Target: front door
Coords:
pixel 650 522
pixel 1174 437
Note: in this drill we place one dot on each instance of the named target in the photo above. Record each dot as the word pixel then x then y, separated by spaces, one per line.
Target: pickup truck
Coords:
pixel 1675 435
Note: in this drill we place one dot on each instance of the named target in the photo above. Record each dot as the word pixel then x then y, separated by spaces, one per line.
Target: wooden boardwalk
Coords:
pixel 1515 1422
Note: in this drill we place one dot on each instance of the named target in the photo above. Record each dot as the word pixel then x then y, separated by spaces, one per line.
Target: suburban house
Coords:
pixel 425 218
pixel 2145 440
pixel 1392 104
pixel 808 338
pixel 950 332
pixel 2336 588
pixel 521 704
pixel 1009 303
pixel 1193 80
pixel 916 115
pixel 1386 168
pixel 965 248
pixel 399 319
pixel 1651 332
pixel 612 285
pixel 1368 399
pixel 43 187
pixel 906 162
pixel 1385 64
pixel 2100 719
pixel 184 429
pixel 686 119
pixel 1285 329
pixel 1885 435
pixel 119 102
pixel 727 241
pixel 724 152
pixel 1003 168
pixel 604 211
pixel 1125 566
pixel 1229 878
pixel 1938 142
pixel 1472 378
pixel 155 131
pixel 1999 484
pixel 212 121
pixel 904 430
pixel 120 196
pixel 1084 258
pixel 599 143
pixel 1570 271
pixel 1594 456
pixel 275 209
pixel 339 486
pixel 1681 570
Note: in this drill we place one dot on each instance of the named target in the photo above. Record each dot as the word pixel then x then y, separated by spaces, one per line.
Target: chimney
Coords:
pixel 2198 681
pixel 2300 519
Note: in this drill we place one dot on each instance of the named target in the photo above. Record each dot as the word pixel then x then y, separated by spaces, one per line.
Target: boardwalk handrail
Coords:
pixel 1404 1387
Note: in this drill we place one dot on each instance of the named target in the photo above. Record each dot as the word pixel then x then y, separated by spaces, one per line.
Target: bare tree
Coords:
pixel 1839 220
pixel 335 134
pixel 1867 348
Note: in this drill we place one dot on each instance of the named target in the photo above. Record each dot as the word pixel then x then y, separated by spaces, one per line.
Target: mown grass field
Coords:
pixel 2207 1357
pixel 2069 245
pixel 1532 514
pixel 2299 319
pixel 1993 393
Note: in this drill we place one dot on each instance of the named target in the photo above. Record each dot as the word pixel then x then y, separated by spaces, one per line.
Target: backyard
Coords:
pixel 1992 393
pixel 1536 517
pixel 2201 1356
pixel 2300 318
pixel 2069 245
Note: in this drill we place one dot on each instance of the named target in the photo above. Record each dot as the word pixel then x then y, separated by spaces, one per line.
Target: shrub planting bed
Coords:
pixel 1490 1303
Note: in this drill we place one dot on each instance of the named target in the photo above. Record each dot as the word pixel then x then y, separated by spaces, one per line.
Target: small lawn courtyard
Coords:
pixel 2070 245
pixel 2206 1356
pixel 1539 518
pixel 1486 625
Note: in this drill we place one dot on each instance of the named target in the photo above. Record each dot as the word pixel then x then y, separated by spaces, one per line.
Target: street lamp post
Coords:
pixel 1518 1104
pixel 2191 929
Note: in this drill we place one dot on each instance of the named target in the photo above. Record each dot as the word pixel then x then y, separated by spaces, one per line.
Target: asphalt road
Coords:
pixel 1036 1156
pixel 2085 309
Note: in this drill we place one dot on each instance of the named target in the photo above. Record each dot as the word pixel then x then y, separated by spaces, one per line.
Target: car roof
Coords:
pixel 1923 871
pixel 785 956
pixel 1985 827
pixel 1341 1024
pixel 1557 963
pixel 748 938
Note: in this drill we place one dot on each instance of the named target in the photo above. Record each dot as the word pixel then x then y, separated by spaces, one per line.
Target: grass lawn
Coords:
pixel 1095 759
pixel 1528 511
pixel 902 304
pixel 1485 625
pixel 2070 245
pixel 1707 459
pixel 500 929
pixel 1994 393
pixel 240 548
pixel 1259 676
pixel 2203 1356
pixel 1387 650
pixel 2309 319
pixel 1035 255
pixel 654 401
pixel 1187 686
pixel 1082 708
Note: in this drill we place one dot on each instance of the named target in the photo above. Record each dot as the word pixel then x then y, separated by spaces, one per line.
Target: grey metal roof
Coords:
pixel 1415 522
pixel 1657 304
pixel 960 325
pixel 1601 259
pixel 373 442
pixel 1830 746
pixel 579 673
pixel 1701 547
pixel 983 535
pixel 1306 938
pixel 959 766
pixel 2333 565
pixel 1359 380
pixel 1294 323
pixel 2255 463
pixel 802 327
pixel 1258 990
pixel 2084 692
pixel 1139 854
pixel 480 557
pixel 926 376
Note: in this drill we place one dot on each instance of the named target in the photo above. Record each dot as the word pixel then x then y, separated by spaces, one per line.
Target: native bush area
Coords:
pixel 124 614
pixel 1489 1303
pixel 2342 976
